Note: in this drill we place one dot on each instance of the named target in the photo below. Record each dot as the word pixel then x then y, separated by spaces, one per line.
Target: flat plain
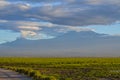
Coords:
pixel 74 68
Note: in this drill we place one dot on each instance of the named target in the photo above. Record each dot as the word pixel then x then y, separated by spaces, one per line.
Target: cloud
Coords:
pixel 72 28
pixel 64 12
pixel 28 34
pixel 3 4
pixel 37 30
pixel 31 35
pixel 18 25
pixel 37 26
pixel 29 27
pixel 54 17
pixel 78 29
pixel 101 2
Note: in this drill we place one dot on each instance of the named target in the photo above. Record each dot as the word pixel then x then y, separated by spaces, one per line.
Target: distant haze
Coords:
pixel 86 43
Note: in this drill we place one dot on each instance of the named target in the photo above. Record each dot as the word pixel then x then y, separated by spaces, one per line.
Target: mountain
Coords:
pixel 84 43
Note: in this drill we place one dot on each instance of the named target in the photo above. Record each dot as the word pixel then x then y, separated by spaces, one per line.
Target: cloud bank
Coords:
pixel 34 16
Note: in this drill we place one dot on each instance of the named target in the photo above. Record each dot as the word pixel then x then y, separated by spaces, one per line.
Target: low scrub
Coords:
pixel 36 75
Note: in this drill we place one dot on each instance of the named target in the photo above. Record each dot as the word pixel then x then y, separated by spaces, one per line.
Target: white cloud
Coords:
pixel 2 20
pixel 98 2
pixel 3 4
pixel 63 12
pixel 28 33
pixel 29 28
pixel 78 29
pixel 31 35
pixel 33 30
pixel 65 29
pixel 24 6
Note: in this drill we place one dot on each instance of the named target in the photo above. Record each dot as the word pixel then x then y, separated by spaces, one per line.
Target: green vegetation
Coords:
pixel 65 68
pixel 31 73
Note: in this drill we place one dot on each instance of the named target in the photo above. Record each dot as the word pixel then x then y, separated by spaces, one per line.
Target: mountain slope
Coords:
pixel 85 43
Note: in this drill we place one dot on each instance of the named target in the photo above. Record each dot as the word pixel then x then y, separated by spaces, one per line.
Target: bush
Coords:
pixel 36 75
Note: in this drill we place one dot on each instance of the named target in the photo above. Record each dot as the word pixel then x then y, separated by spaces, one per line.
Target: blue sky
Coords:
pixel 8 36
pixel 46 19
pixel 113 29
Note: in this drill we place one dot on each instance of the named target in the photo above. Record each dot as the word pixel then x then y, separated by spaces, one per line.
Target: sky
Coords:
pixel 60 28
pixel 47 19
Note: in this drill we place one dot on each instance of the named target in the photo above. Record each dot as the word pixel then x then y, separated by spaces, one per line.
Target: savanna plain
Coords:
pixel 72 68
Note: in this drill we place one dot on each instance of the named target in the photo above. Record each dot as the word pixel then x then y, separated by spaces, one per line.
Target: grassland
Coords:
pixel 65 68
